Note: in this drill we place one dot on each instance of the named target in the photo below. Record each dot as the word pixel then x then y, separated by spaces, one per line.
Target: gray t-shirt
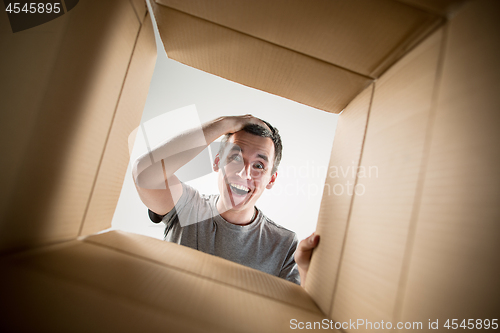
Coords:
pixel 262 244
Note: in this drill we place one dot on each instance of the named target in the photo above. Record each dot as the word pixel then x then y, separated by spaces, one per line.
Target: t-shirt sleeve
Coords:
pixel 290 271
pixel 184 211
pixel 155 218
pixel 179 216
pixel 187 192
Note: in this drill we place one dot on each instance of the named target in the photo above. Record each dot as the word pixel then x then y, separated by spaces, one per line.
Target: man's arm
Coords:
pixel 158 187
pixel 303 256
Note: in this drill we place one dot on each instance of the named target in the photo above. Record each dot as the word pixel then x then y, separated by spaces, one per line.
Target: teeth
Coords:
pixel 240 187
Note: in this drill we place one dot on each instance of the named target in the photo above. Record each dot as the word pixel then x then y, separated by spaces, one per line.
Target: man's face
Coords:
pixel 245 170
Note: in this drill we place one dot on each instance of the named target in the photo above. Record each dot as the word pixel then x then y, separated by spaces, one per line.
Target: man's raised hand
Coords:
pixel 239 122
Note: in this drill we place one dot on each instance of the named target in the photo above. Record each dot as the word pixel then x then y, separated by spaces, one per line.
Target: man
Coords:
pixel 227 225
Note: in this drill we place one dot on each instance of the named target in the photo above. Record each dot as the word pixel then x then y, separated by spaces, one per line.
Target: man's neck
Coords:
pixel 242 217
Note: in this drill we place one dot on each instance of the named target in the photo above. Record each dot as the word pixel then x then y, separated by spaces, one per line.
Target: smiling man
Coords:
pixel 228 225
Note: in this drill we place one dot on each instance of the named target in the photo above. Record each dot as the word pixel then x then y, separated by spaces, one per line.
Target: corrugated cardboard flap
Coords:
pixel 320 53
pixel 256 63
pixel 205 266
pixel 130 282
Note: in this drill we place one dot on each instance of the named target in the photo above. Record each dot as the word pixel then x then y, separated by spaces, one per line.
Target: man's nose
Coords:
pixel 246 171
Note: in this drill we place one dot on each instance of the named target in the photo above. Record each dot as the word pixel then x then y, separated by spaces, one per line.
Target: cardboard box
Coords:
pixel 415 243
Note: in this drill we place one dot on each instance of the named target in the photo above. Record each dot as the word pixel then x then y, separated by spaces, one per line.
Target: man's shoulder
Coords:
pixel 278 229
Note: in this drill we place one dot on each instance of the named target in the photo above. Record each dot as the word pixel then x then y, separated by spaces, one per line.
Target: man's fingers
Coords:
pixel 260 122
pixel 257 121
pixel 304 251
pixel 314 240
pixel 247 119
pixel 263 124
pixel 309 243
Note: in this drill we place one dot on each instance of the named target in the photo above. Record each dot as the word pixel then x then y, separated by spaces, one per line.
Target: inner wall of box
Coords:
pixel 417 241
pixel 87 85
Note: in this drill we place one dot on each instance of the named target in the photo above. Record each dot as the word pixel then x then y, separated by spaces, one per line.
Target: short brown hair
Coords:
pixel 261 131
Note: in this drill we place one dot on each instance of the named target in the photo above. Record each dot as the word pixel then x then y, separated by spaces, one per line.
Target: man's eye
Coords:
pixel 258 166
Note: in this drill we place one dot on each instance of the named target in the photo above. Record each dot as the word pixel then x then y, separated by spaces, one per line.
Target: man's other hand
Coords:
pixel 303 255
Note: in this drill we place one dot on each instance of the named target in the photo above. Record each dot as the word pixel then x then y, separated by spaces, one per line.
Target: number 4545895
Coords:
pixel 34 7
pixel 472 323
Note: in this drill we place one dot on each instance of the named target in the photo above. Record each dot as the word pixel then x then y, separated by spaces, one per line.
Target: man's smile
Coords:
pixel 239 189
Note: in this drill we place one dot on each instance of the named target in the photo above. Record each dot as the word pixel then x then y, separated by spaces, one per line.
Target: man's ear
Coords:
pixel 273 179
pixel 216 163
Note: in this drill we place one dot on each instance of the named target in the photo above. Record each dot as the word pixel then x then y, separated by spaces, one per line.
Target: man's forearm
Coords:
pixel 178 151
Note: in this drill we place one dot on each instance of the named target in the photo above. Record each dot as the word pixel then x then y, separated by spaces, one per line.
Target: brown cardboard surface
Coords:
pixel 21 92
pixel 420 243
pixel 140 8
pixel 59 163
pixel 357 35
pixel 98 288
pixel 336 202
pixel 454 267
pixel 127 117
pixel 89 310
pixel 443 7
pixel 391 162
pixel 256 63
pixel 206 266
